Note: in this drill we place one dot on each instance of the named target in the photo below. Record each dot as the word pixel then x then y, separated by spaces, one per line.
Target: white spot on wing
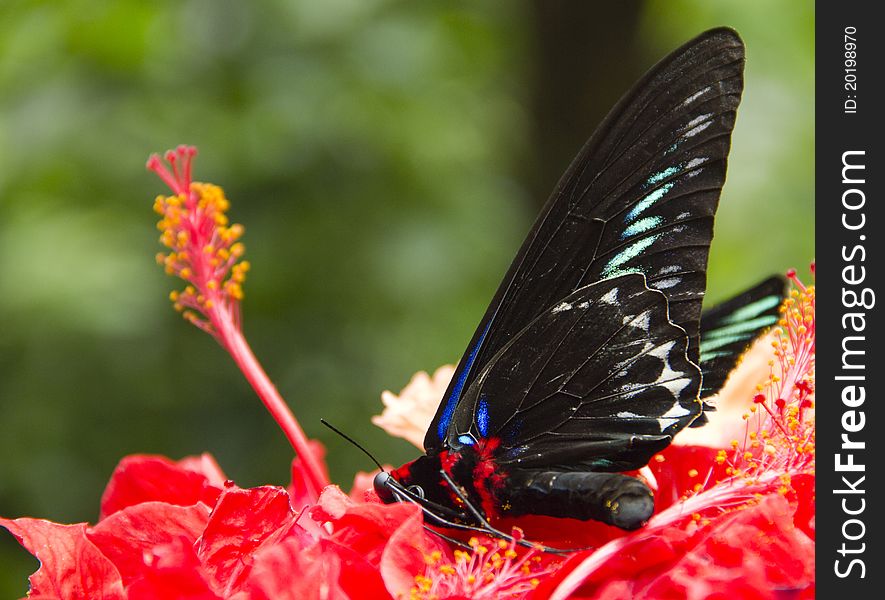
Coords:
pixel 676 412
pixel 562 307
pixel 628 415
pixel 665 284
pixel 695 96
pixel 611 297
pixel 696 130
pixel 672 416
pixel 696 162
pixel 698 119
pixel 640 321
pixel 674 381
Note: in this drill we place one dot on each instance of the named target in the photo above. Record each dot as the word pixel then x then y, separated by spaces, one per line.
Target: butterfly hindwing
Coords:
pixel 729 328
pixel 639 198
pixel 610 382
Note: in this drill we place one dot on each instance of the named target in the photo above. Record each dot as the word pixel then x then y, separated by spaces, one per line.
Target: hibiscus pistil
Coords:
pixel 205 251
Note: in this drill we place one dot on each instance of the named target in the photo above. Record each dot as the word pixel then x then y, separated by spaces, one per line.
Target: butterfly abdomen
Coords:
pixel 612 498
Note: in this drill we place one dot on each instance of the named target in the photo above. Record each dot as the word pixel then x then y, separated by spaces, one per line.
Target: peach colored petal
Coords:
pixel 733 400
pixel 408 414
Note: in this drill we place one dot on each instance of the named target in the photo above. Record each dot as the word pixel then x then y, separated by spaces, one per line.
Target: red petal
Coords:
pixel 174 572
pixel 301 488
pixel 291 571
pixel 804 517
pixel 561 533
pixel 363 489
pixel 141 478
pixel 242 522
pixel 70 565
pixel 365 528
pixel 404 555
pixel 679 468
pixel 748 552
pixel 358 578
pixel 286 571
pixel 128 535
pixel 332 505
pixel 207 466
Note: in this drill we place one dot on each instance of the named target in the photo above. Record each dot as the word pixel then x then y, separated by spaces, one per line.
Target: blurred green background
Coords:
pixel 387 158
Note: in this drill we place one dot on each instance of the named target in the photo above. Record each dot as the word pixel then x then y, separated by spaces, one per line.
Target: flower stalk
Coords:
pixel 205 252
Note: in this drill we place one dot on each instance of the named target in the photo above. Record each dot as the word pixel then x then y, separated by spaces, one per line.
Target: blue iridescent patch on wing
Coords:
pixel 662 175
pixel 482 417
pixel 723 336
pixel 641 226
pixel 612 267
pixel 467 440
pixel 452 400
pixel 646 202
pixel 753 309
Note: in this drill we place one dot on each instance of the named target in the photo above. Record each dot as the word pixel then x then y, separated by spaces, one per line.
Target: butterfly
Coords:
pixel 594 351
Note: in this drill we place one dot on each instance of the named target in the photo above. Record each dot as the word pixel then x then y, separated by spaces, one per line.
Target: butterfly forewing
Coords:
pixel 639 198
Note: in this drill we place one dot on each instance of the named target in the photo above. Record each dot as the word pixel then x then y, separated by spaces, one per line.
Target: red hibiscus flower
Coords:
pixel 733 518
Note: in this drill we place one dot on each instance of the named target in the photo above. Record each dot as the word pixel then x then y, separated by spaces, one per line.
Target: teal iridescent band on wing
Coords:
pixel 641 226
pixel 646 202
pixel 729 334
pixel 752 310
pixel 632 251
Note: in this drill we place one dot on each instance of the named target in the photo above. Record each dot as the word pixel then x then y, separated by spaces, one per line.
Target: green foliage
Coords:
pixel 371 151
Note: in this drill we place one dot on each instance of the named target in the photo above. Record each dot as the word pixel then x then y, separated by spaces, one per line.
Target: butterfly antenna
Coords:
pixel 352 441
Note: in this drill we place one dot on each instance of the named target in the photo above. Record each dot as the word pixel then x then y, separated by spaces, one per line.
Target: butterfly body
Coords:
pixel 589 358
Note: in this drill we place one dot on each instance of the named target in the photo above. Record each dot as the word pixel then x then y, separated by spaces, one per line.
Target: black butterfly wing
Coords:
pixel 639 198
pixel 610 383
pixel 729 328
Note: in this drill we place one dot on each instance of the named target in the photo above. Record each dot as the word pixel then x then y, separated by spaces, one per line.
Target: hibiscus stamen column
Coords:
pixel 205 252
